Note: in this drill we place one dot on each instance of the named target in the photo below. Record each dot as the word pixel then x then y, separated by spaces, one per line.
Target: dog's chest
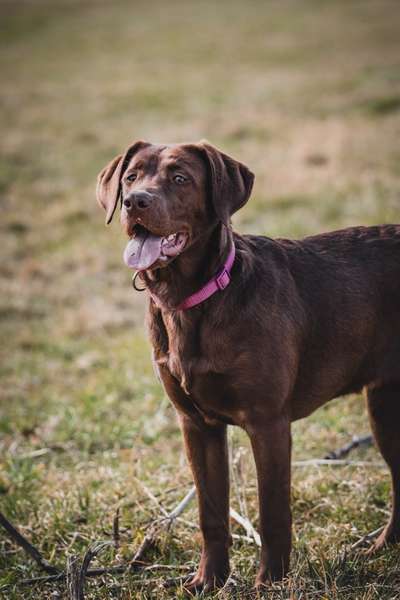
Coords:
pixel 185 356
pixel 200 367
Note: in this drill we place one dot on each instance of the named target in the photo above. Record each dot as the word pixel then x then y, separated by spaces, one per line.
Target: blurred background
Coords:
pixel 307 94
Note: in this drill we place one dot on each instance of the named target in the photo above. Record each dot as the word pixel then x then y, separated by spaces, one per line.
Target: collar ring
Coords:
pixel 134 284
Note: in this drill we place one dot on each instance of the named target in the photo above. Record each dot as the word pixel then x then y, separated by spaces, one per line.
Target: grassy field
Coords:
pixel 307 93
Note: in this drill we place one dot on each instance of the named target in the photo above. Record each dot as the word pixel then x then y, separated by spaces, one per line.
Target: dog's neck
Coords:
pixel 191 270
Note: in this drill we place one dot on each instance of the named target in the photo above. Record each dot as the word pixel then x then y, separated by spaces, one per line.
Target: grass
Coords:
pixel 307 94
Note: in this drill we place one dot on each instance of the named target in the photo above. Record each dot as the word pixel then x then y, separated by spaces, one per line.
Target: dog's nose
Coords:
pixel 139 200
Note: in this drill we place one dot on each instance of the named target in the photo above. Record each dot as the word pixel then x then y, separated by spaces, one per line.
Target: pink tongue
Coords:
pixel 143 250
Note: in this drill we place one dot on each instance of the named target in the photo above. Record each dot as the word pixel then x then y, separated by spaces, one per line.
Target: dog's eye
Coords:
pixel 131 177
pixel 179 179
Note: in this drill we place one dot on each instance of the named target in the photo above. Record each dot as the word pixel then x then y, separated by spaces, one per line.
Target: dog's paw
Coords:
pixel 269 574
pixel 203 584
pixel 207 579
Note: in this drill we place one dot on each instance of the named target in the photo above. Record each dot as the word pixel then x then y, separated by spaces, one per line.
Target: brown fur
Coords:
pixel 301 322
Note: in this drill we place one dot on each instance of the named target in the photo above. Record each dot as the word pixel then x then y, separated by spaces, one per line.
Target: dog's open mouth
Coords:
pixel 146 248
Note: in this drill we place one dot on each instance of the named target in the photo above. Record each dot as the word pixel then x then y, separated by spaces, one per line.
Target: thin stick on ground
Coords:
pixel 76 573
pixel 247 525
pixel 243 521
pixel 327 462
pixel 116 535
pixel 152 497
pixel 366 538
pixel 356 442
pixel 33 552
pixel 73 580
pixel 182 504
pixel 147 544
pixel 97 572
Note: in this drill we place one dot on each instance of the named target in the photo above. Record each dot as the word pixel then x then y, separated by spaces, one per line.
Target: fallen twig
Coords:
pixel 147 544
pixel 97 572
pixel 91 553
pixel 76 574
pixel 43 579
pixel 182 504
pixel 34 453
pixel 33 552
pixel 152 497
pixel 73 579
pixel 357 441
pixel 320 462
pixel 116 529
pixel 366 538
pixel 251 532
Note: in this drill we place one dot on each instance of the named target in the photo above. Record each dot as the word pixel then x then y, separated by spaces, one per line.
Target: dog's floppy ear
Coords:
pixel 231 182
pixel 109 180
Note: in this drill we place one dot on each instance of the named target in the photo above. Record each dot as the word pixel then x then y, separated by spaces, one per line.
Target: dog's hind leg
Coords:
pixel 384 413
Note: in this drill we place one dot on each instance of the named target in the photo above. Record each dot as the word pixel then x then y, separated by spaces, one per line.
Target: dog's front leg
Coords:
pixel 207 452
pixel 271 443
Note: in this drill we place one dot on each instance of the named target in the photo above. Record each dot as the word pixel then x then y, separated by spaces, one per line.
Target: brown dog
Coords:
pixel 300 323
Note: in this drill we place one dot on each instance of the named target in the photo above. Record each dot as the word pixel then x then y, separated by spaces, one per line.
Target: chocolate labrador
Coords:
pixel 255 332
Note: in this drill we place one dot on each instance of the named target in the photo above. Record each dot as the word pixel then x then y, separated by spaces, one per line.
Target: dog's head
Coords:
pixel 169 196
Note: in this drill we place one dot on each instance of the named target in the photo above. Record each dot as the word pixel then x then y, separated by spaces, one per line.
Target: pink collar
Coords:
pixel 219 282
